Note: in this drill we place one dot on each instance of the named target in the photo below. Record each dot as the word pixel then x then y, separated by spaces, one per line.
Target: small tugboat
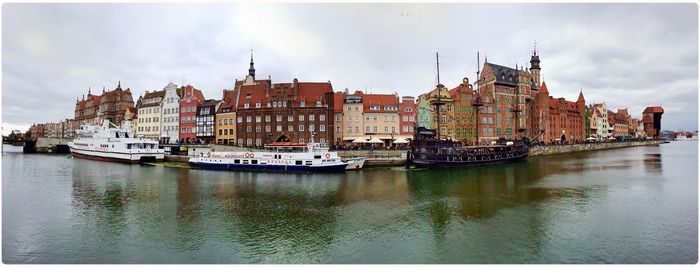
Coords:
pixel 100 142
pixel 429 150
pixel 279 157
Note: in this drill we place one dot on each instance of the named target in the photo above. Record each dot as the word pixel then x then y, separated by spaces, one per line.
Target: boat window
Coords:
pixel 128 146
pixel 255 161
pixel 308 162
pixel 263 162
pixel 236 161
pixel 317 156
pixel 298 162
pixel 245 161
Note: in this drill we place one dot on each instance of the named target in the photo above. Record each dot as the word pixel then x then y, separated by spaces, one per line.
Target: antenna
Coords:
pixel 437 58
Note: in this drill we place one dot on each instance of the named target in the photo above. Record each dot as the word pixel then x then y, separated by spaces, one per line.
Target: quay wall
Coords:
pixel 565 149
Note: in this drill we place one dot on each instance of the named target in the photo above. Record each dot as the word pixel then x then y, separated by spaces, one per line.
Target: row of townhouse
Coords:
pixel 61 129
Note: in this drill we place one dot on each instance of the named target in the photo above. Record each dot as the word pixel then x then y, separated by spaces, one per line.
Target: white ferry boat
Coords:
pixel 100 142
pixel 279 157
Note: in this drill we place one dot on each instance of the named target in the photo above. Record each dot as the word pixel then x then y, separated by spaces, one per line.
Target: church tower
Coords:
pixel 251 70
pixel 535 66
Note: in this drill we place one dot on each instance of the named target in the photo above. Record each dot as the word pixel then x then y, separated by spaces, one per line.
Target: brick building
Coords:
pixel 190 97
pixel 283 112
pixel 407 113
pixel 110 105
pixel 651 118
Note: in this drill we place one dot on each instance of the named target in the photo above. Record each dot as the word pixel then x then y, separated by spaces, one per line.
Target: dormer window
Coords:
pixel 274 104
pixel 248 95
pixel 373 107
pixel 246 105
pixel 302 104
pixel 318 103
pixel 257 105
pixel 269 104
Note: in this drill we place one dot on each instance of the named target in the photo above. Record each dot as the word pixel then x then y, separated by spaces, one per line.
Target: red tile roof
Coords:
pixel 543 89
pixel 338 99
pixel 307 92
pixel 380 100
pixel 228 100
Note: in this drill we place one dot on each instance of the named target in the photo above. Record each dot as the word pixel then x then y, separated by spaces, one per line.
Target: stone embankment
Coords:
pixel 386 158
pixel 565 149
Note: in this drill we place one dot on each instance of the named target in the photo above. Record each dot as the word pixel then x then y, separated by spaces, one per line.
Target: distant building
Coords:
pixel 651 118
pixel 110 105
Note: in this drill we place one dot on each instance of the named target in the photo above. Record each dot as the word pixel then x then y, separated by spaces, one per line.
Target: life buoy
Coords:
pixel 328 155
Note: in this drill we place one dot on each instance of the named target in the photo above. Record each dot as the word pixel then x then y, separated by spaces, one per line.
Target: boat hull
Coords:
pixel 116 157
pixel 269 167
pixel 462 164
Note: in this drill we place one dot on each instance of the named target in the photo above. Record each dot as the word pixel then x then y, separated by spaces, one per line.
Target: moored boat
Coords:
pixel 100 142
pixel 429 152
pixel 278 157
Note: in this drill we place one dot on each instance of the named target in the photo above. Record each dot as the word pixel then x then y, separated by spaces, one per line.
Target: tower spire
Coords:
pixel 251 70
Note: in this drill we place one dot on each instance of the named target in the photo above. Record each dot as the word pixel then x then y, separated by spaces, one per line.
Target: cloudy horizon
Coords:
pixel 628 55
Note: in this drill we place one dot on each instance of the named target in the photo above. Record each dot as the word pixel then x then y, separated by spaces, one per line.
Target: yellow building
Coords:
pixel 226 120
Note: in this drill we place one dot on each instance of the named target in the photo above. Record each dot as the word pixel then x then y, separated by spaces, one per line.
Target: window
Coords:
pixel 312 128
pixel 248 119
pixel 257 118
pixel 278 117
pixel 302 104
pixel 375 129
pixel 349 118
pixel 338 117
pixel 301 140
pixel 366 117
pixel 367 129
pixel 357 129
pixel 268 128
pixel 322 128
pixel 386 129
pixel 246 105
pixel 290 118
pixel 322 117
pixel 290 128
pixel 301 127
pixel 318 103
pixel 258 142
pixel 301 117
pixel 393 129
pixel 267 118
pixel 349 108
pixel 349 129
pixel 258 128
pixel 257 105
pixel 279 128
pixel 312 117
pixel 337 129
pixel 221 132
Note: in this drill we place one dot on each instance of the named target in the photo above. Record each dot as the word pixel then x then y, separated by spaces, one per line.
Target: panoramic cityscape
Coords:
pixel 277 137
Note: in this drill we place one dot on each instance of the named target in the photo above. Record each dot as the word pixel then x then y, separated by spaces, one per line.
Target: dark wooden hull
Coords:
pixel 419 163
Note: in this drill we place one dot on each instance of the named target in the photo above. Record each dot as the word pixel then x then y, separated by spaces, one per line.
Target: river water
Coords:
pixel 632 205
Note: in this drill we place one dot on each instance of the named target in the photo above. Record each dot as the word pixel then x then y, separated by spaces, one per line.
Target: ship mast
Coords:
pixel 477 99
pixel 438 103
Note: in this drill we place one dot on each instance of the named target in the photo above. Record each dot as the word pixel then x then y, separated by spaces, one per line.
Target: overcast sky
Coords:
pixel 628 55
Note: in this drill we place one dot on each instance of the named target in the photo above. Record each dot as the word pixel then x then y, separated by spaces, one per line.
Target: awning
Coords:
pixel 400 140
pixel 359 140
pixel 591 138
pixel 375 140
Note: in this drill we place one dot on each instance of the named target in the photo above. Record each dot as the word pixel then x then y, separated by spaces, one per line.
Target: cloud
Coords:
pixel 629 55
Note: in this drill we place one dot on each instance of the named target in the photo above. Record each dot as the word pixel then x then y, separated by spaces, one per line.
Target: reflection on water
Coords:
pixel 562 209
pixel 652 163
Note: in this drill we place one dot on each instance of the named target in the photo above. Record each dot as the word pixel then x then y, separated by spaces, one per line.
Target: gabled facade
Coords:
pixel 149 115
pixel 226 119
pixel 407 113
pixel 170 128
pixel 190 97
pixel 206 126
